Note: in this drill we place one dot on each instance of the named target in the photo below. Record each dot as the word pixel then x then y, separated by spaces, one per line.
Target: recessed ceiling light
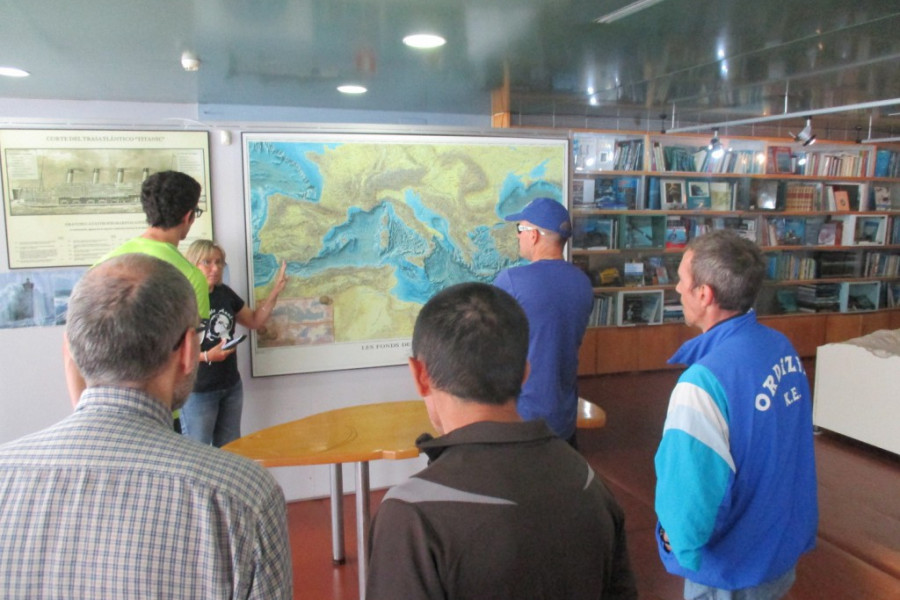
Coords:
pixel 13 72
pixel 424 40
pixel 189 61
pixel 352 89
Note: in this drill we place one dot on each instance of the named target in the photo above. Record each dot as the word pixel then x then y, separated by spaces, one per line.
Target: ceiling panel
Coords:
pixel 694 61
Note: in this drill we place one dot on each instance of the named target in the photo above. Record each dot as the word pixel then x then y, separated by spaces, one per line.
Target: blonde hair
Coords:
pixel 200 249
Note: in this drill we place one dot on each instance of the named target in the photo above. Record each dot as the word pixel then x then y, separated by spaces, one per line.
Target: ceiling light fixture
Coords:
pixel 351 88
pixel 715 146
pixel 806 136
pixel 628 9
pixel 13 72
pixel 424 41
pixel 189 61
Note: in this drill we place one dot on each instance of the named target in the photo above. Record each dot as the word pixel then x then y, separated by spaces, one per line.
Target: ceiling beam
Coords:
pixel 781 117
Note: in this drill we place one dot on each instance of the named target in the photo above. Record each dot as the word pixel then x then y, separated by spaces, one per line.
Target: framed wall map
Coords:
pixel 71 196
pixel 371 226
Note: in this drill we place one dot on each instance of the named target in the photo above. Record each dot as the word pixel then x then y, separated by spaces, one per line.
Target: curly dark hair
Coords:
pixel 167 196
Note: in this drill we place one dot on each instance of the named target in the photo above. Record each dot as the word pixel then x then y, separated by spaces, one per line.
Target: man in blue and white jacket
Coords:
pixel 736 481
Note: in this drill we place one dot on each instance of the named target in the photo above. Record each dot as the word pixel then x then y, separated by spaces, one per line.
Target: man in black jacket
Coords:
pixel 505 509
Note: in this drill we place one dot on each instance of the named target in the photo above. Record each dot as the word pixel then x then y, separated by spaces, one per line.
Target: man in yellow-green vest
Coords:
pixel 170 201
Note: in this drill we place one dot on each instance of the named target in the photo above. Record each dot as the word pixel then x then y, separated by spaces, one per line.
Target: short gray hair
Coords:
pixel 126 316
pixel 732 266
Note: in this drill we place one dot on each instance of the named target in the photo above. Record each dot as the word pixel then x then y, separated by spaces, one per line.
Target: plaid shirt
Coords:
pixel 111 503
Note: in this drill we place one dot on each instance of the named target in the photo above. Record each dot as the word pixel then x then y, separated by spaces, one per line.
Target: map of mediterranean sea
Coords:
pixel 372 227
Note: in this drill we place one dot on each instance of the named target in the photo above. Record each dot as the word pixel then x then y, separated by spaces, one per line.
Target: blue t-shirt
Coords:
pixel 557 298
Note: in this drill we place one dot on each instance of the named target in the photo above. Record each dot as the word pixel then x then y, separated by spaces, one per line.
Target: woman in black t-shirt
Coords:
pixel 212 414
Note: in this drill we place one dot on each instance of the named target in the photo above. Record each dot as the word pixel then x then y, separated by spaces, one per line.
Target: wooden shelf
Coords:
pixel 611 349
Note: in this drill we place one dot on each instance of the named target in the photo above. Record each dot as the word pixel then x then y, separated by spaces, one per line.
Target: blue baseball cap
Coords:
pixel 547 214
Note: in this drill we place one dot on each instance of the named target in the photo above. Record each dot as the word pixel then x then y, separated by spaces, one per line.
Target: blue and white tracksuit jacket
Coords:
pixel 736 480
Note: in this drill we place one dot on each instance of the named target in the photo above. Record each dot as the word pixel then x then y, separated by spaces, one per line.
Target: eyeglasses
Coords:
pixel 520 228
pixel 209 262
pixel 197 329
pixel 197 212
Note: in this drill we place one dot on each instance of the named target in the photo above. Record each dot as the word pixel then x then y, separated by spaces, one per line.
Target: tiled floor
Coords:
pixel 858 552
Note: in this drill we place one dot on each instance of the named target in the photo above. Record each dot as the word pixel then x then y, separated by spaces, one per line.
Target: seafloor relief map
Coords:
pixel 371 228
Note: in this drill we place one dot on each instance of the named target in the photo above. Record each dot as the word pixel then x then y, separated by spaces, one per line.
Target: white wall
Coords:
pixel 32 386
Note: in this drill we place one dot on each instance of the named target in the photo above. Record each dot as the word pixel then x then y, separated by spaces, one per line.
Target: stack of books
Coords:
pixel 822 297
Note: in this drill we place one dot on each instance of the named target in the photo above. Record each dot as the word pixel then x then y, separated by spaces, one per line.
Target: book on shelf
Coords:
pixel 841 201
pixel 778 160
pixel 895 230
pixel 841 198
pixel 893 294
pixel 697 226
pixel 800 197
pixel 773 232
pixel 763 194
pixel 584 152
pixel 881 264
pixel 835 265
pixel 678 158
pixel 634 273
pixel 630 309
pixel 676 232
pixel 638 232
pixel 881 197
pixel 829 233
pixel 653 196
pixel 629 155
pixel 582 193
pixel 870 230
pixel 673 312
pixel 594 233
pixel 605 192
pixel 626 192
pixel 592 153
pixel 658 271
pixel 812 227
pixel 787 300
pixel 793 233
pixel 788 266
pixel 819 297
pixel 672 195
pixel 720 195
pixel 837 164
pixel 603 312
pixel 887 163
pixel 859 295
pixel 639 308
pixel 746 228
pixel 698 195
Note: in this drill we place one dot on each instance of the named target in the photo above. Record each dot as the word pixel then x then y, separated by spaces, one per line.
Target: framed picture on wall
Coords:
pixel 70 196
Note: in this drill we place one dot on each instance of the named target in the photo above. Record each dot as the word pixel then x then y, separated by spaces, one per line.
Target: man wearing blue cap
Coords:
pixel 557 298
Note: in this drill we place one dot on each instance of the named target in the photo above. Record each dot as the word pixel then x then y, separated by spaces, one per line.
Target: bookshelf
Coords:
pixel 827 218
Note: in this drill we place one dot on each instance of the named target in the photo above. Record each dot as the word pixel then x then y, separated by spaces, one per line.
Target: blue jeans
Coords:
pixel 213 417
pixel 771 590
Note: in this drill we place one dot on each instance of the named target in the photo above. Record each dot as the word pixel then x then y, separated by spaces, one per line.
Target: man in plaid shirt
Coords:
pixel 111 502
